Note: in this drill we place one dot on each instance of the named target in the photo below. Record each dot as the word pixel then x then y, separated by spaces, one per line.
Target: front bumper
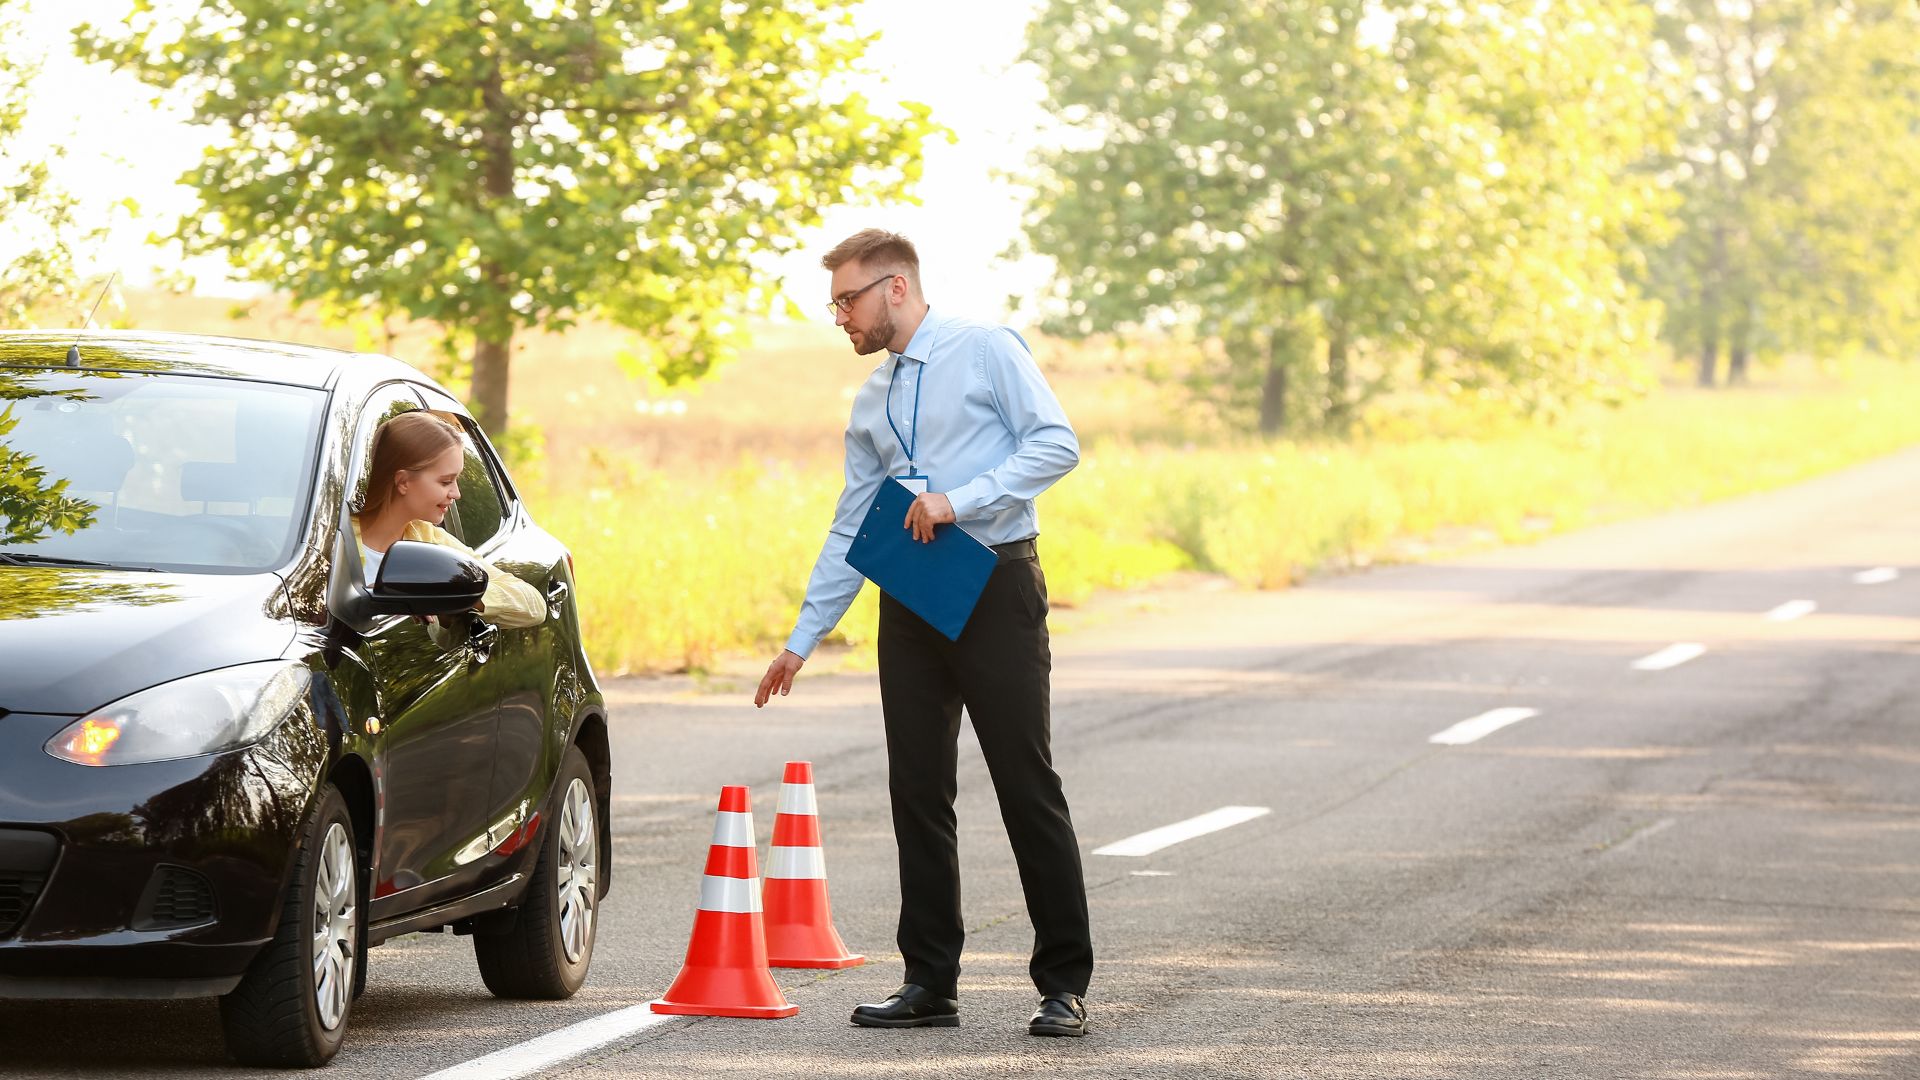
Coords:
pixel 165 879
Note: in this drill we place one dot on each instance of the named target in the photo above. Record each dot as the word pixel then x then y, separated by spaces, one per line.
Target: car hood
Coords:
pixel 72 640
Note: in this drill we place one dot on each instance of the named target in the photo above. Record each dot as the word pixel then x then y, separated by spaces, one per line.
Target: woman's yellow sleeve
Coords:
pixel 509 603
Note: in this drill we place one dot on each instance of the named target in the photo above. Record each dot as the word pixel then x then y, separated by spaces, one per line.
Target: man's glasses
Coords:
pixel 845 303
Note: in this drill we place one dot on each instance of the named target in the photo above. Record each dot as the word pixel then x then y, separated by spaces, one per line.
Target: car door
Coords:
pixel 522 668
pixel 433 763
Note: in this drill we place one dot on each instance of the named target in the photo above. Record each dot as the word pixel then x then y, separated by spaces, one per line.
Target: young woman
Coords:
pixel 414 478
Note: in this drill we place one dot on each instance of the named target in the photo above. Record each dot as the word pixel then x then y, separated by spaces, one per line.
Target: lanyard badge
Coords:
pixel 913 480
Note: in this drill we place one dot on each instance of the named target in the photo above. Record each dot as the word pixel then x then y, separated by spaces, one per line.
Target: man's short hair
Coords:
pixel 877 249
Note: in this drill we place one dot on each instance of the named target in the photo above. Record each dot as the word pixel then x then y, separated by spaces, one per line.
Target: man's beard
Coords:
pixel 876 339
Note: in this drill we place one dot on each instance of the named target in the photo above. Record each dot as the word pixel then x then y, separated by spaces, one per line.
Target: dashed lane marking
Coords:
pixel 1669 657
pixel 1481 726
pixel 1792 610
pixel 1168 835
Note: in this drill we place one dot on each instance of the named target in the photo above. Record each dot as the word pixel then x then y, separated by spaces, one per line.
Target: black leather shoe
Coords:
pixel 910 1006
pixel 1059 1014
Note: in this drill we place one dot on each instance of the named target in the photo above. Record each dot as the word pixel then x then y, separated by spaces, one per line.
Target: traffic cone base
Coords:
pixel 809 940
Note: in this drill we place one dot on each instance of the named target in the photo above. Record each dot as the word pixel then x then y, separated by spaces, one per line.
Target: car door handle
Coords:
pixel 556 595
pixel 482 640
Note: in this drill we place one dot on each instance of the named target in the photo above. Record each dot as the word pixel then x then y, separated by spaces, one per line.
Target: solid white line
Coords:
pixel 1792 610
pixel 1671 656
pixel 1879 575
pixel 1485 724
pixel 554 1047
pixel 1168 835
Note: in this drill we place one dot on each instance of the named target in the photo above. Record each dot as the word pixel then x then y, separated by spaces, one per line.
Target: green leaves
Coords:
pixel 42 234
pixel 1798 169
pixel 1328 190
pixel 496 165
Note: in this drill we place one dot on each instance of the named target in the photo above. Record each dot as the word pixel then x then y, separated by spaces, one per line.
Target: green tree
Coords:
pixel 33 504
pixel 499 165
pixel 39 233
pixel 1798 169
pixel 1303 181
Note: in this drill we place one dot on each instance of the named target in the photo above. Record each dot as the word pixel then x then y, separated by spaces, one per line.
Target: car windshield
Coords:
pixel 150 470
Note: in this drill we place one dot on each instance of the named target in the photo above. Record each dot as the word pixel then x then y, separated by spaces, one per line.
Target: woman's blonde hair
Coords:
pixel 409 441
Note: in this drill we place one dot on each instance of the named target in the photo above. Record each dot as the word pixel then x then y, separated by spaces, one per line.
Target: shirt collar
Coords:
pixel 921 347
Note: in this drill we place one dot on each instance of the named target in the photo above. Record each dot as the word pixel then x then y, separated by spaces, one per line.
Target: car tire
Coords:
pixel 544 954
pixel 291 1007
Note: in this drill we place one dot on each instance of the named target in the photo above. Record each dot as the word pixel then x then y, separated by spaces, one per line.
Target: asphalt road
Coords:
pixel 1707 869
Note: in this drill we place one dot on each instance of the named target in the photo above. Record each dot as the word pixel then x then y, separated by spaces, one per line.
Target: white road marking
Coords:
pixel 1671 656
pixel 1479 727
pixel 1879 575
pixel 1153 873
pixel 1168 835
pixel 1792 610
pixel 1641 834
pixel 554 1047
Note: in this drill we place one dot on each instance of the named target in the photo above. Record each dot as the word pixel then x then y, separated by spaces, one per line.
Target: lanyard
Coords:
pixel 917 387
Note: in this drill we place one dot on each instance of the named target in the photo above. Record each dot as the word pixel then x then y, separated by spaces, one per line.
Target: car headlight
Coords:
pixel 200 714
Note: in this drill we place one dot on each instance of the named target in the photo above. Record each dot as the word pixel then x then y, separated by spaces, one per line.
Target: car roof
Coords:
pixel 200 354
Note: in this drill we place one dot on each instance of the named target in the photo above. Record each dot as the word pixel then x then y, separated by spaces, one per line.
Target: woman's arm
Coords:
pixel 509 603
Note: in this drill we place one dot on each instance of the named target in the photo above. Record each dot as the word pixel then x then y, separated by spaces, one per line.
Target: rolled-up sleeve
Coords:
pixel 1047 448
pixel 833 584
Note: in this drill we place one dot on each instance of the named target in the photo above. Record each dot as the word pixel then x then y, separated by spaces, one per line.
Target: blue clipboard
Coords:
pixel 939 581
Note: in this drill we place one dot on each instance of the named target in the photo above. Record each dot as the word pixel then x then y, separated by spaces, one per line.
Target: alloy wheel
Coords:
pixel 578 872
pixel 336 918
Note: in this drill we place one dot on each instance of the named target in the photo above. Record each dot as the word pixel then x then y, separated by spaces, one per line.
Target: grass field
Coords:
pixel 695 514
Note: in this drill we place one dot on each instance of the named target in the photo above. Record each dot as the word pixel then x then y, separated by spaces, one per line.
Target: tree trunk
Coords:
pixel 1339 394
pixel 1740 347
pixel 488 397
pixel 1273 395
pixel 1709 358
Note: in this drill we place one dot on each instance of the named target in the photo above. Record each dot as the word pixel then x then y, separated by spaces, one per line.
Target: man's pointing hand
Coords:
pixel 779 677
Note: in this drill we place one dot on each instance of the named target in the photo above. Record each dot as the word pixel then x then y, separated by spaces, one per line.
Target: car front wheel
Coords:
pixel 290 1009
pixel 544 954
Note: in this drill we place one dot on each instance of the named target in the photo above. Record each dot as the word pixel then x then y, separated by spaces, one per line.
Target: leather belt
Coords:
pixel 1017 550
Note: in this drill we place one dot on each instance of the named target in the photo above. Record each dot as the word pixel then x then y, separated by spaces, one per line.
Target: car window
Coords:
pixel 170 471
pixel 482 507
pixel 382 405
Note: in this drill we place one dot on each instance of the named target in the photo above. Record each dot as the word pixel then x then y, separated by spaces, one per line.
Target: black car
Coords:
pixel 228 765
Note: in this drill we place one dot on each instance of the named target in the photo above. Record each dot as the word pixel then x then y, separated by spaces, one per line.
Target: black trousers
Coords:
pixel 1001 671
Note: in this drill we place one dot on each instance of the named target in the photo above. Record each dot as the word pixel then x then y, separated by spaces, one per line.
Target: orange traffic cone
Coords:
pixel 726 970
pixel 800 931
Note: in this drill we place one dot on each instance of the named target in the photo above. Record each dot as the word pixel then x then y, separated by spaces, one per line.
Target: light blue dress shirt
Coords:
pixel 990 435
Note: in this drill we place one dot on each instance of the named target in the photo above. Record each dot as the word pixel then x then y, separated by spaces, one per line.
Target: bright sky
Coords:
pixel 122 144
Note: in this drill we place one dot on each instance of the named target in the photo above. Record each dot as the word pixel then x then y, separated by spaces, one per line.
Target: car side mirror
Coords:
pixel 426 579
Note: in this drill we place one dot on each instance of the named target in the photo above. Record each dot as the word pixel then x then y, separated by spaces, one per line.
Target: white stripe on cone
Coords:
pixel 738 896
pixel 731 829
pixel 797 799
pixel 797 862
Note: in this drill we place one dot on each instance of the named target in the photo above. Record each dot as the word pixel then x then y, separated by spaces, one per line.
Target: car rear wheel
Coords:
pixel 544 955
pixel 291 1007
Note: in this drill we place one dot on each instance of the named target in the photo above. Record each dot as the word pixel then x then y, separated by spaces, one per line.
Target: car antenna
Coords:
pixel 73 352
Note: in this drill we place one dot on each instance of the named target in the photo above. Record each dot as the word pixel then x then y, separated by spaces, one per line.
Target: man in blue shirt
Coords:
pixel 959 412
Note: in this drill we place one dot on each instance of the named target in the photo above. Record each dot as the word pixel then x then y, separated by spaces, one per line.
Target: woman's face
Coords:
pixel 426 493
